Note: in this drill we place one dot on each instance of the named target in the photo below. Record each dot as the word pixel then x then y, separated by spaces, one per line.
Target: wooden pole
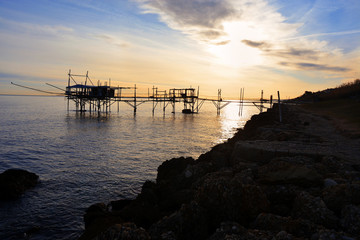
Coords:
pixel 280 115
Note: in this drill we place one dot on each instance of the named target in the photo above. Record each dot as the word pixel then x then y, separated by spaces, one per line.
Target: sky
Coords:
pixel 289 46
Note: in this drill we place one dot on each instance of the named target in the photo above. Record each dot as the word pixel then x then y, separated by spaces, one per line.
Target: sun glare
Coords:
pixel 236 53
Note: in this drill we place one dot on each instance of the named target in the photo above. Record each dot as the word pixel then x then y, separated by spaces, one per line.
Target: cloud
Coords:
pixel 32 28
pixel 255 44
pixel 245 33
pixel 201 19
pixel 315 67
pixel 112 40
pixel 340 33
pixel 283 51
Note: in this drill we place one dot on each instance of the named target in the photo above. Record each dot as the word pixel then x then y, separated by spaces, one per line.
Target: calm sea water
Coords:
pixel 84 159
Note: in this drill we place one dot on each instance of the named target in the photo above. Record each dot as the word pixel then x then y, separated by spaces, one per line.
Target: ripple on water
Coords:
pixel 82 159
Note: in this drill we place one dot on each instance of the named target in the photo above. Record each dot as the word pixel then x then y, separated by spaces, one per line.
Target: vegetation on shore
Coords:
pixel 341 104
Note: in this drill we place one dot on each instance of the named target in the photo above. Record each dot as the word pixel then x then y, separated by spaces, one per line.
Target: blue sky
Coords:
pixel 285 45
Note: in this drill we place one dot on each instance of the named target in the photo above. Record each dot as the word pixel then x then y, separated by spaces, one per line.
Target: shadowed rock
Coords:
pixel 14 182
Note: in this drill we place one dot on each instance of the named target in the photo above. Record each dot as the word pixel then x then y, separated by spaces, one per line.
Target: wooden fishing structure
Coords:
pixel 100 97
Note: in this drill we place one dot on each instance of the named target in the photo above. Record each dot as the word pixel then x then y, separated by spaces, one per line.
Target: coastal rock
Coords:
pixel 281 198
pixel 350 220
pixel 218 156
pixel 227 229
pixel 226 198
pixel 278 171
pixel 170 169
pixel 326 234
pixel 189 222
pixel 314 209
pixel 14 182
pixel 95 211
pixel 328 182
pixel 338 196
pixel 274 223
pixel 124 231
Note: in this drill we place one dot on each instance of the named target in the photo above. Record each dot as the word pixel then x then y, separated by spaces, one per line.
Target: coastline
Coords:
pixel 297 179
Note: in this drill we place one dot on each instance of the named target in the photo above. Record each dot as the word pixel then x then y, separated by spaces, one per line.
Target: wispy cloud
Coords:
pixel 112 40
pixel 32 28
pixel 315 35
pixel 315 67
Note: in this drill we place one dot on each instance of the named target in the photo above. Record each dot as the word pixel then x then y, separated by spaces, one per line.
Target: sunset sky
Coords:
pixel 270 45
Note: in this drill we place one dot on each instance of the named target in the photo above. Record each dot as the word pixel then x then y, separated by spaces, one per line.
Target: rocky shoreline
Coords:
pixel 298 179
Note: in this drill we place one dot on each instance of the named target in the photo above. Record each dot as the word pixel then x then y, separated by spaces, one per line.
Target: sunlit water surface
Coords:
pixel 84 159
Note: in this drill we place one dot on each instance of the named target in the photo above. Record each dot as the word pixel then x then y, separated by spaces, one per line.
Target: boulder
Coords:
pixel 170 169
pixel 338 196
pixel 326 234
pixel 226 198
pixel 14 182
pixel 188 223
pixel 128 231
pixel 350 219
pixel 281 198
pixel 278 171
pixel 227 229
pixel 313 209
pixel 274 223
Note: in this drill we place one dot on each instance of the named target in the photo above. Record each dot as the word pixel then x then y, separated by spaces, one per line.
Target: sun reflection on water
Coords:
pixel 231 119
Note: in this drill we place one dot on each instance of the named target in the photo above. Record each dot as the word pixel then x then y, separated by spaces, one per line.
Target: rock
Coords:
pixel 14 182
pixel 120 204
pixel 188 223
pixel 274 223
pixel 350 219
pixel 226 229
pixel 218 156
pixel 31 231
pixel 95 211
pixel 314 209
pixel 283 235
pixel 329 182
pixel 226 198
pixel 281 198
pixel 338 196
pixel 124 231
pixel 278 171
pixel 170 169
pixel 326 234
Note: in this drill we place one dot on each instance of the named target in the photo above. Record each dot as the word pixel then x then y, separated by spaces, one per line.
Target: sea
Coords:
pixel 86 158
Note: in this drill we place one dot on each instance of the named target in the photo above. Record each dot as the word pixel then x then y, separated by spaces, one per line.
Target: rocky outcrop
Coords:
pixel 270 181
pixel 14 182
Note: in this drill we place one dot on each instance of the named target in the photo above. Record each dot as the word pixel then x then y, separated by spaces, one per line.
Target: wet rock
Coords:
pixel 124 231
pixel 188 223
pixel 314 209
pixel 170 169
pixel 218 156
pixel 278 171
pixel 350 220
pixel 31 231
pixel 119 204
pixel 14 182
pixel 226 198
pixel 94 212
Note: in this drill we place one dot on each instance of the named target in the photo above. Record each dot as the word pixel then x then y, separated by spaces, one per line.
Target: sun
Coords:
pixel 235 53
